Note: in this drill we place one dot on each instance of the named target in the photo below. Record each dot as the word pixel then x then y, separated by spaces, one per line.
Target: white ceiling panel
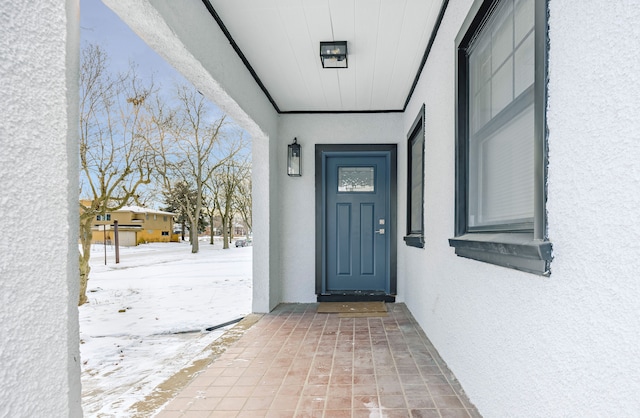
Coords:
pixel 365 45
pixel 342 18
pixel 389 52
pixel 419 21
pixel 280 39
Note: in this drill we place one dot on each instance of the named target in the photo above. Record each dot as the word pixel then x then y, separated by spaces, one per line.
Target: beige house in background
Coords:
pixel 136 225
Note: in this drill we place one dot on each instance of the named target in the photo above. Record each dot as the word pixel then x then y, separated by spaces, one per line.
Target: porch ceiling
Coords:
pixel 280 41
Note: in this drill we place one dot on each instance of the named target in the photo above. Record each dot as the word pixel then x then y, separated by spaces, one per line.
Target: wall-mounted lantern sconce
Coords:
pixel 294 159
pixel 333 54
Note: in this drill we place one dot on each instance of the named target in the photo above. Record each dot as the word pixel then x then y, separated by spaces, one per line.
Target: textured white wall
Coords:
pixel 524 345
pixel 594 199
pixel 297 197
pixel 39 338
pixel 205 57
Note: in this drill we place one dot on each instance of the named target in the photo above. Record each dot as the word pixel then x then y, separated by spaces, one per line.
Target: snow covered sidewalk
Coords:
pixel 147 315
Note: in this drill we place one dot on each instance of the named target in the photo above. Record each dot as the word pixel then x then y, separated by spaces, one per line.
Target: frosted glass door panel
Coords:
pixel 356 179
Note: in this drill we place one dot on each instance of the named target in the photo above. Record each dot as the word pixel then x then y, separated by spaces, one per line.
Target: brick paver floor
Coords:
pixel 295 362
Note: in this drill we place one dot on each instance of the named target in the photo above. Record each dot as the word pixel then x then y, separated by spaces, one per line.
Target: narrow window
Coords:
pixel 415 183
pixel 501 142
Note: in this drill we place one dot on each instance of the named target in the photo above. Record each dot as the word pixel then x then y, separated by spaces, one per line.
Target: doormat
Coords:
pixel 354 309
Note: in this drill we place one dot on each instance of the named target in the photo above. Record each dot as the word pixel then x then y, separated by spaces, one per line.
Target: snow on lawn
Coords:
pixel 147 315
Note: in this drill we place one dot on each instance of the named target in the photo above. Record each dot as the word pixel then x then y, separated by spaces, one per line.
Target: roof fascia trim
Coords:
pixel 312 112
pixel 236 48
pixel 427 50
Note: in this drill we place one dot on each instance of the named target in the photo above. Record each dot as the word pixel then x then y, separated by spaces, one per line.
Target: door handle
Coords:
pixel 380 231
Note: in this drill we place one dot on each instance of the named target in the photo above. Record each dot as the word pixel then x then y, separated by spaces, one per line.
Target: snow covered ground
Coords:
pixel 147 315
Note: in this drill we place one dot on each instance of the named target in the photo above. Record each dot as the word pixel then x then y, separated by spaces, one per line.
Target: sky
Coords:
pixel 99 25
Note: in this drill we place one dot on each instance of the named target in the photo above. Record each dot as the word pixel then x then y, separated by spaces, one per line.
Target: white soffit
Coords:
pixel 386 41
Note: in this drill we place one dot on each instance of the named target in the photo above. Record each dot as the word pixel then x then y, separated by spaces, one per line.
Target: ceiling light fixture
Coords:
pixel 333 54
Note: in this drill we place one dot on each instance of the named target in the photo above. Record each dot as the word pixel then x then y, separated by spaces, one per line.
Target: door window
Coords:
pixel 356 179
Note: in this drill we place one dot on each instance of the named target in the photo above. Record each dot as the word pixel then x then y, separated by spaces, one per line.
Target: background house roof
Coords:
pixel 279 40
pixel 140 209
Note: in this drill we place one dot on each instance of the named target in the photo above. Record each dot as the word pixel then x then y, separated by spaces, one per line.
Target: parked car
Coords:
pixel 243 242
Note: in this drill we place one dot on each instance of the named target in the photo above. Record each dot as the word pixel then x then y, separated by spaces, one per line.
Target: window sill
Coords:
pixel 414 240
pixel 513 250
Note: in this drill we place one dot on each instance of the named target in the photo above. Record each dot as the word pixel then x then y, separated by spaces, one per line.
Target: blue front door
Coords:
pixel 357 222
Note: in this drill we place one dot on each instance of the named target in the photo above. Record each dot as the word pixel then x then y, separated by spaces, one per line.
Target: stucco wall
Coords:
pixel 297 196
pixel 521 344
pixel 525 345
pixel 205 57
pixel 39 337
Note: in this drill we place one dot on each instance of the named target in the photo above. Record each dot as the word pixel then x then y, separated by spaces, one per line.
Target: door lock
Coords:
pixel 380 231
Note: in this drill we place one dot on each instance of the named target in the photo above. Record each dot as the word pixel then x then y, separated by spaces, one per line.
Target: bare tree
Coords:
pixel 190 148
pixel 223 195
pixel 114 157
pixel 210 211
pixel 226 185
pixel 244 201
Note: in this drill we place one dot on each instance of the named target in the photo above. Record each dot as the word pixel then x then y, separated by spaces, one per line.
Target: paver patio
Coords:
pixel 295 362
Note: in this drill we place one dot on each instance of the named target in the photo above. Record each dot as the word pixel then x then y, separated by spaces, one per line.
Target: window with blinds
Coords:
pixel 501 135
pixel 501 120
